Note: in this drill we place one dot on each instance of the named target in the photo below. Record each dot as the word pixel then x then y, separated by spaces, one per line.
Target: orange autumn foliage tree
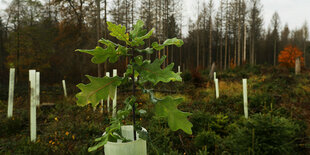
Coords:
pixel 288 56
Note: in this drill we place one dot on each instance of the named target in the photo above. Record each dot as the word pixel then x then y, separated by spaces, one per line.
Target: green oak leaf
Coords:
pixel 168 108
pixel 108 42
pixel 138 30
pixel 119 32
pixel 152 72
pixel 103 141
pixel 147 50
pixel 128 72
pixel 98 89
pixel 173 41
pixel 101 55
pixel 139 60
pixel 108 136
pixel 138 41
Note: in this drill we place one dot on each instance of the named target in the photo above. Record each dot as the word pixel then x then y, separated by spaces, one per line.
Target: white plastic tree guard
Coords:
pixel 11 92
pixel 37 89
pixel 115 96
pixel 137 147
pixel 214 76
pixel 297 66
pixel 245 98
pixel 65 88
pixel 33 106
pixel 179 69
pixel 217 92
pixel 108 99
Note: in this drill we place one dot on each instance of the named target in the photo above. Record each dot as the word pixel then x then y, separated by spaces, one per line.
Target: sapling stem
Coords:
pixel 133 93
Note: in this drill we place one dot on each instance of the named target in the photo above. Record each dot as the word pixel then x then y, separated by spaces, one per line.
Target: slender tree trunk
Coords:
pixel 225 57
pixel 126 14
pixel 221 50
pixel 180 58
pixel 275 52
pixel 239 32
pixel 167 60
pixel 244 44
pixel 253 52
pixel 226 40
pixel 210 42
pixel 98 32
pixel 171 60
pixel 197 52
pixel 250 49
pixel 132 13
pixel 239 40
pixel 229 54
pixel 18 42
pixel 235 50
pixel 305 56
pixel 106 32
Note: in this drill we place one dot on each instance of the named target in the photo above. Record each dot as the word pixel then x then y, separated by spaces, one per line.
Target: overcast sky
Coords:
pixel 292 12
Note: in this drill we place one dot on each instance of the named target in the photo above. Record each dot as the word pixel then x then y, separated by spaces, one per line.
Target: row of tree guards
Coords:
pixel 245 93
pixel 34 83
pixel 244 84
pixel 34 79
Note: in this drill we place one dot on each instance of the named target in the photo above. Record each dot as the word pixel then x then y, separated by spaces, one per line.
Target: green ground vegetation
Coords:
pixel 278 121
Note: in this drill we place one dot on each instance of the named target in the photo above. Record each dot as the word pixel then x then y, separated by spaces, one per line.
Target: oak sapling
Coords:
pixel 147 71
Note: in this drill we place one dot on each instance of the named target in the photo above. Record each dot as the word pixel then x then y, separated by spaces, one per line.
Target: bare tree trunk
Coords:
pixel 106 31
pixel 126 14
pixel 250 49
pixel 226 39
pixel 229 54
pixel 235 50
pixel 275 52
pixel 132 12
pixel 305 56
pixel 239 42
pixel 210 42
pixel 225 57
pixel 210 6
pixel 167 60
pixel 18 42
pixel 244 44
pixel 253 52
pixel 221 53
pixel 197 52
pixel 171 57
pixel 197 29
pixel 98 32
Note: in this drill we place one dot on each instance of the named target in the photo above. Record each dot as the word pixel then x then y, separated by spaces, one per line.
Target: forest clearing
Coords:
pixel 123 77
pixel 278 116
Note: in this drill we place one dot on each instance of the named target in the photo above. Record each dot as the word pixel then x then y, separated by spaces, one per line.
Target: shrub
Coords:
pixel 264 134
pixel 204 121
pixel 288 56
pixel 186 76
pixel 226 104
pixel 197 78
pixel 25 146
pixel 208 139
pixel 10 126
pixel 260 102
